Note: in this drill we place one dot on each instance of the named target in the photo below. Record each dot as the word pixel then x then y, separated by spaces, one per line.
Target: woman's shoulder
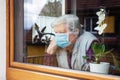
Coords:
pixel 87 34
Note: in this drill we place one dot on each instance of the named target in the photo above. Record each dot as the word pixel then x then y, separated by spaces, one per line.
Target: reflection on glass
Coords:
pixel 34 32
pixel 38 16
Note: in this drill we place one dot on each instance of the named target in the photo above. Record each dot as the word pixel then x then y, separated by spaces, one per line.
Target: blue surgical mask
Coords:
pixel 62 39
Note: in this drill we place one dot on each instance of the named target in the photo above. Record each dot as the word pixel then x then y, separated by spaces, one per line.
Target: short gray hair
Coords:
pixel 71 20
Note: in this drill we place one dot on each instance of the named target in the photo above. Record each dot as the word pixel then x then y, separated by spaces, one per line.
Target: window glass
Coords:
pixel 43 37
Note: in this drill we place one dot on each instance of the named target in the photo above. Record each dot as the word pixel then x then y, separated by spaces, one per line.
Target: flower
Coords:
pixel 101 24
pixel 101 28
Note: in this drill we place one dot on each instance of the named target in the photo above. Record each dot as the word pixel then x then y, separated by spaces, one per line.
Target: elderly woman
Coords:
pixel 71 42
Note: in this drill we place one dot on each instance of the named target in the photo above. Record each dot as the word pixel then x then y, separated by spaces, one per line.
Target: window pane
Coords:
pixel 34 33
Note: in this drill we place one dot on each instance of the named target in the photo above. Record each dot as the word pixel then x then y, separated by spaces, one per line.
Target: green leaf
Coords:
pixel 85 57
pixel 103 48
pixel 98 48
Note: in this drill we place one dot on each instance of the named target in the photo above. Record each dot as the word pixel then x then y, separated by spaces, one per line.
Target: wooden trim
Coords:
pixel 7 33
pixel 11 31
pixel 64 72
pixel 40 70
pixel 7 36
pixel 30 75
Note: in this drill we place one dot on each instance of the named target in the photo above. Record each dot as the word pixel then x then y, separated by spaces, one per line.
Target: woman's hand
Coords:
pixel 52 48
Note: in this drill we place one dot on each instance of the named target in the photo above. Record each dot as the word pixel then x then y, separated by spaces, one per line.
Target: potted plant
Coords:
pixel 99 48
pixel 99 52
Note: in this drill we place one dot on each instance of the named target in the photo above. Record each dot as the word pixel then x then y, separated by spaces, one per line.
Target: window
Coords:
pixel 90 24
pixel 24 45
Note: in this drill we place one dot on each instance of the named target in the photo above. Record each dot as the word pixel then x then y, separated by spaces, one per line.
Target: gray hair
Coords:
pixel 72 21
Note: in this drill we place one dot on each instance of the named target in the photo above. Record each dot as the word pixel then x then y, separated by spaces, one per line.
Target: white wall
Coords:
pixel 2 39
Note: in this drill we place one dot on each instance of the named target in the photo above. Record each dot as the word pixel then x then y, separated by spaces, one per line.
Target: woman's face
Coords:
pixel 63 28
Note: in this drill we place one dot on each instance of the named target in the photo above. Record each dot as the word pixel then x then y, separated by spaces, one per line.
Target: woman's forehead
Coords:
pixel 61 28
